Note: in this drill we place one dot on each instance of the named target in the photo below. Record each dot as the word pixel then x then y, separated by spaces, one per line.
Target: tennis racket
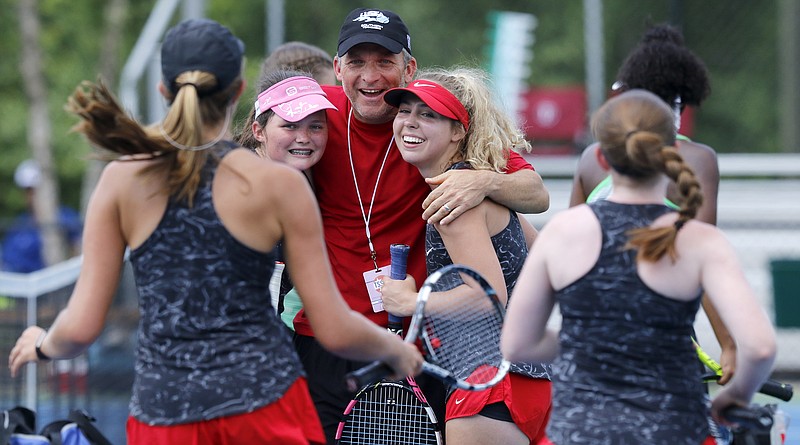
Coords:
pixel 390 412
pixel 457 320
pixel 397 271
pixel 774 388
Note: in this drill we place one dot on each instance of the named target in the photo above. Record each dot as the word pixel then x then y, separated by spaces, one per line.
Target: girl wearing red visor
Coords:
pixel 447 119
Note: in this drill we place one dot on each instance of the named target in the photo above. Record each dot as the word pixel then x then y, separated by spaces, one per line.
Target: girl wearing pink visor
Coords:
pixel 447 119
pixel 289 126
pixel 290 123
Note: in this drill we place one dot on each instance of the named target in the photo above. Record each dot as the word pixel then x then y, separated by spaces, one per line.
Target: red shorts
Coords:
pixel 527 399
pixel 290 420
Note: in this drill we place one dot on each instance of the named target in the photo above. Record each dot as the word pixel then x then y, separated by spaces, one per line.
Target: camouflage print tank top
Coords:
pixel 209 342
pixel 627 371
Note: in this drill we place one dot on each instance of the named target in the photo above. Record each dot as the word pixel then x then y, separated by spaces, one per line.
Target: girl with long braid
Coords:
pixel 662 64
pixel 627 273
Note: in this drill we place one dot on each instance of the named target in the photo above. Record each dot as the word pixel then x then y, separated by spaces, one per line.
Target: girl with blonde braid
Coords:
pixel 627 274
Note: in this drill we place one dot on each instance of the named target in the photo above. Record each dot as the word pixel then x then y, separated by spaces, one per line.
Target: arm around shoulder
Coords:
pixel 522 191
pixel 460 190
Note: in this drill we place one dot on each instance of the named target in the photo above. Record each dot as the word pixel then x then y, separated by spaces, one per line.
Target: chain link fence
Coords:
pixel 98 381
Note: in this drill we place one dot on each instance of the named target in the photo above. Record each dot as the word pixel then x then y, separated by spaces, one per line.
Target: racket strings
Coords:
pixel 389 415
pixel 463 336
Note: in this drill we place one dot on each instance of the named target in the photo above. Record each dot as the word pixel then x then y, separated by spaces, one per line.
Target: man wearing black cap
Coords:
pixel 370 198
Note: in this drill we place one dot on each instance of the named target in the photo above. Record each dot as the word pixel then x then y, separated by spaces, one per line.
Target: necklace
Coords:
pixel 213 142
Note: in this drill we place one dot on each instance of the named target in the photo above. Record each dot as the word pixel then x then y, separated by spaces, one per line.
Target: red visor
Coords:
pixel 439 98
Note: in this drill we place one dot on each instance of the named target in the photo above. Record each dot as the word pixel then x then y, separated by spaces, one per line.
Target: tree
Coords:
pixel 46 199
pixel 113 24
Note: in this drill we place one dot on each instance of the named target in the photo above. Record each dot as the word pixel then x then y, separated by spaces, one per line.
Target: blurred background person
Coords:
pixel 301 56
pixel 22 246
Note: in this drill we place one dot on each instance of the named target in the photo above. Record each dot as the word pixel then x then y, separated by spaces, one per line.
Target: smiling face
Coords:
pixel 366 72
pixel 297 144
pixel 426 139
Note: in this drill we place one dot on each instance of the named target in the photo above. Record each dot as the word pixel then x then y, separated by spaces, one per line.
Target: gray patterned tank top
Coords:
pixel 627 372
pixel 209 343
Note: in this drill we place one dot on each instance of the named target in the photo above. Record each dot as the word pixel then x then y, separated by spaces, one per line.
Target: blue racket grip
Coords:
pixel 399 255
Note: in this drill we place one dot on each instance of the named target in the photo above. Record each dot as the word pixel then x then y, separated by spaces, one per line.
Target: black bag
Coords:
pixel 18 427
pixel 773 434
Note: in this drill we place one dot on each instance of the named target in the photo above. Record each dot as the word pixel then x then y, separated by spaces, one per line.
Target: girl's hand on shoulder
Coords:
pixel 456 192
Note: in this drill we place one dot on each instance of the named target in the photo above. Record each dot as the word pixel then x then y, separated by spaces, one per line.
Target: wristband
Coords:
pixel 39 354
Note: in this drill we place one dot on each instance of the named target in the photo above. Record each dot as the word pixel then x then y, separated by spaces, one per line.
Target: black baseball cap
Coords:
pixel 201 45
pixel 379 26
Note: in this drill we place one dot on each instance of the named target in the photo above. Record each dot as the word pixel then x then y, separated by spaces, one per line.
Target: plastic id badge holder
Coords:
pixel 374 284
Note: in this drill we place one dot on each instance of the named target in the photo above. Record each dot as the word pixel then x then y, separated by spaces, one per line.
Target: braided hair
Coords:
pixel 637 137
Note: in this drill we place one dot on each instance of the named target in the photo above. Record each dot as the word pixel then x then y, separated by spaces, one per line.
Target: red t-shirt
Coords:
pixel 396 215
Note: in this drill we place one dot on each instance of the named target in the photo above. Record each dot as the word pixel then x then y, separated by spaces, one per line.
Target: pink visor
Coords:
pixel 293 99
pixel 439 98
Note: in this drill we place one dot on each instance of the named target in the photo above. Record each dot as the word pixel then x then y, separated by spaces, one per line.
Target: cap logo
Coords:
pixel 293 99
pixel 298 109
pixel 420 84
pixel 375 26
pixel 372 16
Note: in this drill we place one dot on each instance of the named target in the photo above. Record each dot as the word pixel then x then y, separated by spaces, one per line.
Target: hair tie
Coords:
pixel 679 223
pixel 188 83
pixel 630 133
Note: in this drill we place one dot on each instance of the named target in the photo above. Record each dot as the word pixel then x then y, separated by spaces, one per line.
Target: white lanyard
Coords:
pixel 366 216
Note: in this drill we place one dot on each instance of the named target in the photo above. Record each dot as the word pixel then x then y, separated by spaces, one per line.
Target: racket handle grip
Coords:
pixel 399 255
pixel 366 375
pixel 754 418
pixel 774 388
